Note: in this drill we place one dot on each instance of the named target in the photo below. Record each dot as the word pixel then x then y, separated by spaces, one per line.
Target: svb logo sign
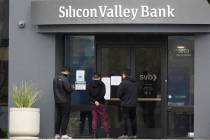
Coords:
pixel 150 77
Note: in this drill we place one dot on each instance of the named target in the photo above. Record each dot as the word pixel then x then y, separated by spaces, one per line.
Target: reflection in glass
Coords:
pixel 148 72
pixel 180 85
pixel 4 50
pixel 114 61
pixel 4 43
pixel 3 120
pixel 147 68
pixel 80 55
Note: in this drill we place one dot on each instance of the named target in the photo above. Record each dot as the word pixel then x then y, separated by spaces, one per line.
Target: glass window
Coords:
pixel 114 60
pixel 4 30
pixel 180 85
pixel 80 55
pixel 148 71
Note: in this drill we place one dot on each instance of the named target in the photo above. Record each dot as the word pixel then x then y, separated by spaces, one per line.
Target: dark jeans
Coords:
pixel 62 113
pixel 100 112
pixel 83 115
pixel 129 114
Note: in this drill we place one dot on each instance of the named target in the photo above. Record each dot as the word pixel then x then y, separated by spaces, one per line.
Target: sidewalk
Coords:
pixel 110 139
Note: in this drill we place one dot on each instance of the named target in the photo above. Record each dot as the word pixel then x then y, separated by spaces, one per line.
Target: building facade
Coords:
pixel 164 43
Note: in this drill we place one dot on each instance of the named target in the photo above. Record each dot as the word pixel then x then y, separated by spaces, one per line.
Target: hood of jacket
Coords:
pixel 131 79
pixel 96 83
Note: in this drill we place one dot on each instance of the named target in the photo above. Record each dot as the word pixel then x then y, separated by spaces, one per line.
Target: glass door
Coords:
pixel 148 73
pixel 111 61
pixel 114 60
pixel 147 65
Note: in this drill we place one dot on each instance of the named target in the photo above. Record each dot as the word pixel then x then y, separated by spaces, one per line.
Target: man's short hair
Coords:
pixel 127 72
pixel 96 75
pixel 65 68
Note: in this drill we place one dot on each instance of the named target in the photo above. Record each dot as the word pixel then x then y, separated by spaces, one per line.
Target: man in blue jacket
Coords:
pixel 128 93
pixel 62 94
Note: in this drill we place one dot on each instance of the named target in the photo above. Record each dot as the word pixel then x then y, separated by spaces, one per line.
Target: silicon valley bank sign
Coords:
pixel 116 11
pixel 72 12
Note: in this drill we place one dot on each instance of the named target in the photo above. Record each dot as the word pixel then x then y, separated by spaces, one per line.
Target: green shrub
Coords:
pixel 25 95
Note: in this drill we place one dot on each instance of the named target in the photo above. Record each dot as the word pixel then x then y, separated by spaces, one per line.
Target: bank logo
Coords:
pixel 183 52
pixel 150 77
pixel 116 11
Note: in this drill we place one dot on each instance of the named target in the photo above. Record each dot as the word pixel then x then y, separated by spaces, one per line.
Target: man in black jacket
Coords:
pixel 96 91
pixel 128 93
pixel 62 94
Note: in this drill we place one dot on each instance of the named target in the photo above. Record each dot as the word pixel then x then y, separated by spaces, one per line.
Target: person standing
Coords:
pixel 96 91
pixel 83 115
pixel 62 95
pixel 128 93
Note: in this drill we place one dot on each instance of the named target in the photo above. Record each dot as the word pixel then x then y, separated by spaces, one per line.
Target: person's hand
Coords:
pixel 97 103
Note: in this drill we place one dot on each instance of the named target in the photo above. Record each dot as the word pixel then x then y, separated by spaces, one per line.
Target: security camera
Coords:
pixel 21 24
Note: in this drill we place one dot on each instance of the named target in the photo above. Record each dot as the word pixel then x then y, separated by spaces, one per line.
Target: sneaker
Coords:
pixel 65 137
pixel 133 137
pixel 107 136
pixel 94 135
pixel 123 137
pixel 57 136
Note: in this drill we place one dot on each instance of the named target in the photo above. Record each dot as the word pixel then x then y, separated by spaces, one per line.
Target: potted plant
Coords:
pixel 24 120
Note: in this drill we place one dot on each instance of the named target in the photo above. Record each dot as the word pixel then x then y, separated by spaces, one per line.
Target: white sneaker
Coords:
pixel 57 136
pixel 123 137
pixel 133 137
pixel 65 137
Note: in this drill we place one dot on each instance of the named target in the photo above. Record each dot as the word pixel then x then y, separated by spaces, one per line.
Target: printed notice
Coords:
pixel 116 80
pixel 80 86
pixel 106 81
pixel 80 76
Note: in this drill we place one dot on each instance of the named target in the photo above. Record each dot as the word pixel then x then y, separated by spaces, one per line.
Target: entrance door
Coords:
pixel 147 64
pixel 147 67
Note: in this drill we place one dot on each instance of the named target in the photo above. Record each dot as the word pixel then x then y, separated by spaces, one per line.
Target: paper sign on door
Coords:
pixel 106 81
pixel 116 80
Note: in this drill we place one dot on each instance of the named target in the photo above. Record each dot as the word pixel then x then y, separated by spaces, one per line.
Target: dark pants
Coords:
pixel 148 114
pixel 62 113
pixel 129 114
pixel 100 112
pixel 83 115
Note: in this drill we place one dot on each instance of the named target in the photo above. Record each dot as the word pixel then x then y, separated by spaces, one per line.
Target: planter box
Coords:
pixel 24 122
